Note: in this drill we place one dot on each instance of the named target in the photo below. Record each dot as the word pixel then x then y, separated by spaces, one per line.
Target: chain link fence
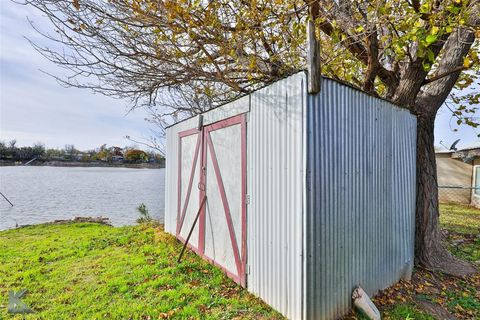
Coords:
pixel 457 194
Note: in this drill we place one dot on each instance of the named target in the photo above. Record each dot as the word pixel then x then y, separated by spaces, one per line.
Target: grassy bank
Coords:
pixel 92 271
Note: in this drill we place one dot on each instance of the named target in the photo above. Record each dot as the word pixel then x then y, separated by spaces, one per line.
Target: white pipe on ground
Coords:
pixel 362 301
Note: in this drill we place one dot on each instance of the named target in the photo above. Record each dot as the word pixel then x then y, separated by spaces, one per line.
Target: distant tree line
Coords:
pixel 9 151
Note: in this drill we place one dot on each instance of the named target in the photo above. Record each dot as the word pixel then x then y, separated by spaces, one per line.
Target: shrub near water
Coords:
pixel 144 214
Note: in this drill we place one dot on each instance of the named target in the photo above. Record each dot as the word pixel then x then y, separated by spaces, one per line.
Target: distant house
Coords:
pixel 458 174
pixel 57 158
pixel 117 151
pixel 117 158
pixel 78 156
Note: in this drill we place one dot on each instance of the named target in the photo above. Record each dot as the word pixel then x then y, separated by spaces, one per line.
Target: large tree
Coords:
pixel 182 57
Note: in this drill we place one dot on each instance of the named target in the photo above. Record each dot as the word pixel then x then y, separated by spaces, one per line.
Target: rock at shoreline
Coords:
pixel 100 220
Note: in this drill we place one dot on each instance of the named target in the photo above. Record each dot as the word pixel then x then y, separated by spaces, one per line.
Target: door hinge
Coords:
pixel 247 199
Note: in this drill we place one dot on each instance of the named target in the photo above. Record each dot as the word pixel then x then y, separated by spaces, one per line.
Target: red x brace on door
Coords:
pixel 212 163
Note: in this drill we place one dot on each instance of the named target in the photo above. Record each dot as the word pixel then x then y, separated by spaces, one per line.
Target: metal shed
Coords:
pixel 307 196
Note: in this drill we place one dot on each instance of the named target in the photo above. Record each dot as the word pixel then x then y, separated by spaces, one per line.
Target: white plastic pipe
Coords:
pixel 362 301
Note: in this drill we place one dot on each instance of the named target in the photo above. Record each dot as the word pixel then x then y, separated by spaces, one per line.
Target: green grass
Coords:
pixel 460 218
pixel 463 224
pixel 92 271
pixel 405 311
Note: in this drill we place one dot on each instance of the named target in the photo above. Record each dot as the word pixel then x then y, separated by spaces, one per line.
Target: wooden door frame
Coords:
pixel 203 147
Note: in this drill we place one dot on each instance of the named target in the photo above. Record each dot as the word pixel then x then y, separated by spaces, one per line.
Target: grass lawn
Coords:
pixel 93 271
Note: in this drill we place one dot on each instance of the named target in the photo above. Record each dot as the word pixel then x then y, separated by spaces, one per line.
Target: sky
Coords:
pixel 445 133
pixel 35 108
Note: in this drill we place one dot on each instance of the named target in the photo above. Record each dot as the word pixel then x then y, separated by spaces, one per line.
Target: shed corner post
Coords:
pixel 313 43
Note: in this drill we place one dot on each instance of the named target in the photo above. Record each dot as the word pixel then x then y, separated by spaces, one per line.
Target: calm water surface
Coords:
pixel 43 194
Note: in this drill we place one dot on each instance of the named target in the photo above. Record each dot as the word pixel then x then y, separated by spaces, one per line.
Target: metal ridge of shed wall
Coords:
pixel 361 197
pixel 276 187
pixel 233 100
pixel 304 71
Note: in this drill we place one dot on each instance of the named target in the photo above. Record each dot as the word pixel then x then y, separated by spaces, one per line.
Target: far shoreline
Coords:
pixel 91 164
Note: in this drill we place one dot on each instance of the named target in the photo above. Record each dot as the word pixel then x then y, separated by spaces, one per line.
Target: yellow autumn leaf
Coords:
pixel 467 62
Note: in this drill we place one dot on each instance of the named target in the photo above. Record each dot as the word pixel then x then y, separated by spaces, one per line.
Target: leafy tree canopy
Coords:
pixel 185 56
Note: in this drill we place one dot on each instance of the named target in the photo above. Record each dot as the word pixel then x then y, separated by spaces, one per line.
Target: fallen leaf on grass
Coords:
pixel 166 315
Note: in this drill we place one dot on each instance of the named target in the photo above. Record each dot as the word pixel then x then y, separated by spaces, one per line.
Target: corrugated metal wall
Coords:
pixel 331 188
pixel 275 185
pixel 361 196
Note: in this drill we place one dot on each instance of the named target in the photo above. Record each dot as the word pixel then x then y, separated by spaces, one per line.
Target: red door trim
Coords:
pixel 235 277
pixel 181 213
pixel 206 144
pixel 188 132
pixel 226 207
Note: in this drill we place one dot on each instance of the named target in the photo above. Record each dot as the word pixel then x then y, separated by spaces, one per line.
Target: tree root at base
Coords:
pixel 439 259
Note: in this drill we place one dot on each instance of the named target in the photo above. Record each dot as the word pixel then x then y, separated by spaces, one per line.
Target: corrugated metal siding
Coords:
pixel 276 184
pixel 351 216
pixel 361 196
pixel 171 171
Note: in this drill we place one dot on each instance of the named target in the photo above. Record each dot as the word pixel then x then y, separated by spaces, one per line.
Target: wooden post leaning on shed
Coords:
pixel 313 58
pixel 191 229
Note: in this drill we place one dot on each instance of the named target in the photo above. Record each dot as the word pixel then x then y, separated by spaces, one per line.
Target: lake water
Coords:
pixel 43 194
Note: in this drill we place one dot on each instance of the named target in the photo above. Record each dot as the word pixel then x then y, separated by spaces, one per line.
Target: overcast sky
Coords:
pixel 35 108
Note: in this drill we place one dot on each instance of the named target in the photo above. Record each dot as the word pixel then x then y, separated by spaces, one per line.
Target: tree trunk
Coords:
pixel 429 251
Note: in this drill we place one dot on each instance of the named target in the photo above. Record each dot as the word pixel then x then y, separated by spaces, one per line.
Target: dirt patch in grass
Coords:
pixel 435 293
pixel 432 295
pixel 434 309
pixel 429 295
